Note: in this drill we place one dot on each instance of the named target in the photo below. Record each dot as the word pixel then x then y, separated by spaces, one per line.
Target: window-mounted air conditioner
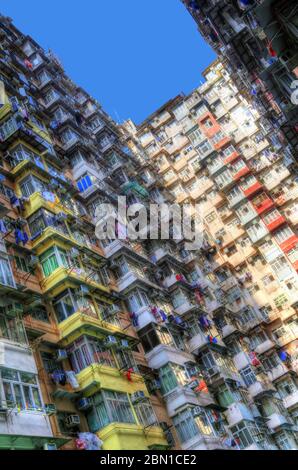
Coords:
pixel 72 421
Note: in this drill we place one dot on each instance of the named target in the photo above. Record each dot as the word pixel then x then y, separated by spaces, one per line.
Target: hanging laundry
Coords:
pixel 80 444
pixel 283 355
pixel 90 440
pixel 72 379
pixel 134 319
pixel 270 49
pixel 48 196
pixel 3 228
pixel 128 374
pixel 204 322
pixel 202 387
pixel 3 98
pixel 212 339
pixel 21 237
pixel 28 64
pixel 253 359
pixel 14 201
pixel 163 315
pixel 59 377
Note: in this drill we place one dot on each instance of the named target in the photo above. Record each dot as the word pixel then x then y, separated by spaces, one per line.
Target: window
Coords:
pixel 149 338
pixel 40 314
pixel 248 376
pixel 12 327
pixel 64 305
pixel 20 389
pixel 224 178
pixel 52 259
pixel 204 148
pixel 167 378
pixel 85 182
pixel 6 276
pixel 267 280
pixel 283 234
pixel 22 264
pixel 195 136
pixel 243 432
pixel 109 407
pixel 30 185
pixel 145 414
pixel 185 426
pixel 283 441
pixel 137 300
pixel 50 96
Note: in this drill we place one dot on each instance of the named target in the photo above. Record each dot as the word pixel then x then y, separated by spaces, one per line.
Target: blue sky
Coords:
pixel 131 55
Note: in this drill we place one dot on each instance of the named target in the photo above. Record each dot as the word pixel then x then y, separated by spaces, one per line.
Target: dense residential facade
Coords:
pixel 216 151
pixel 257 40
pixel 117 344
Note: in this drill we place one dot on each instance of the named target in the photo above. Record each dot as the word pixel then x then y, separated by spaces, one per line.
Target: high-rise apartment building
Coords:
pixel 120 344
pixel 216 151
pixel 257 40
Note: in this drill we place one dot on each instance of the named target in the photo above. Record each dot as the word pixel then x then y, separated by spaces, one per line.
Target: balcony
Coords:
pixel 229 330
pixel 291 334
pixel 178 398
pixel 291 400
pixel 276 179
pixel 241 360
pixel 260 388
pixel 232 157
pixel 265 346
pixel 201 340
pixel 57 281
pixel 276 421
pixel 86 322
pixel 204 442
pixel 257 232
pixel 241 173
pixel 221 373
pixel 126 436
pixel 234 200
pixel 276 223
pixel 252 189
pixel 289 243
pixel 163 354
pixel 130 278
pixel 185 307
pixel 99 376
pixel 264 205
pixel 277 372
pixel 238 412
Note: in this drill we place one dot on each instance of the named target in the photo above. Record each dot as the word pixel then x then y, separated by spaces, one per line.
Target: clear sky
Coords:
pixel 131 55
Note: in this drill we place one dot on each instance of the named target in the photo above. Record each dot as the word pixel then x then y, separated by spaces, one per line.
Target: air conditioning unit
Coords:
pixel 74 253
pixel 196 411
pixel 15 309
pixel 110 342
pixel 154 385
pixel 138 396
pixel 61 355
pixel 33 261
pixel 194 384
pixel 124 344
pixel 169 437
pixel 192 372
pixel 3 407
pixel 50 409
pixel 49 446
pixel 84 404
pixel 164 425
pixel 72 421
pixel 82 290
